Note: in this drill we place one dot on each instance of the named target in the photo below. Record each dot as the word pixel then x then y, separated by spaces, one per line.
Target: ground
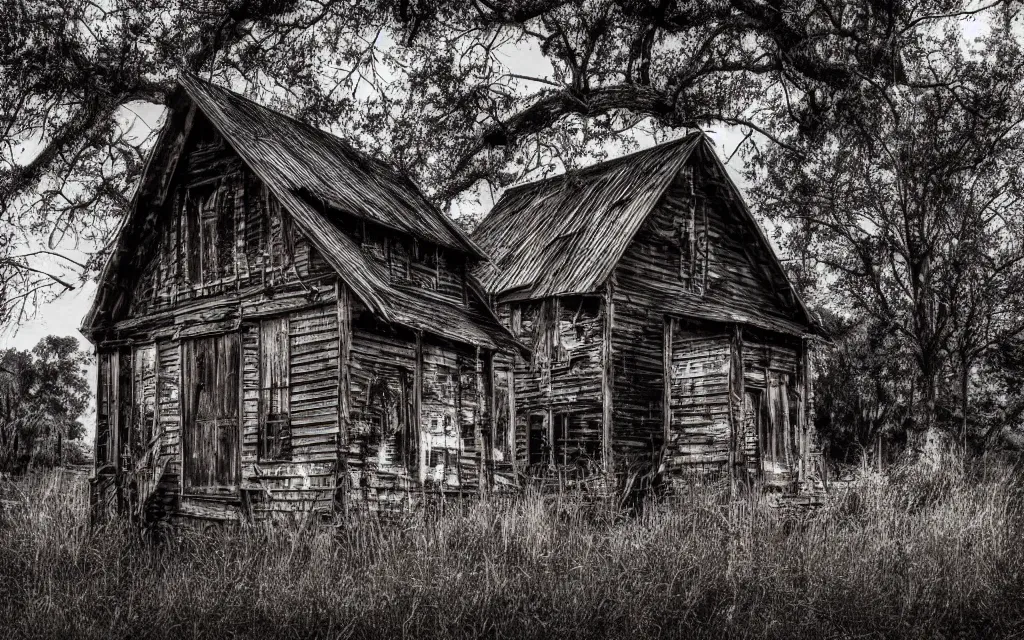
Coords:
pixel 906 555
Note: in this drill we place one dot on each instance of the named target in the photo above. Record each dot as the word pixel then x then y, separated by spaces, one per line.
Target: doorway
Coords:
pixel 211 429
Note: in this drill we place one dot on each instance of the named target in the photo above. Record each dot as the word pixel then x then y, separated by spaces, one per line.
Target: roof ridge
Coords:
pixel 604 164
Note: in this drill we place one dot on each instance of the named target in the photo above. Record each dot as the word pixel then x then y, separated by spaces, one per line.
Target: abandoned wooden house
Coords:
pixel 664 332
pixel 285 328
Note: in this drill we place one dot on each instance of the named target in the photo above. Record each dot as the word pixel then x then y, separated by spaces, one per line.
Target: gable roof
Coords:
pixel 564 235
pixel 317 177
pixel 317 164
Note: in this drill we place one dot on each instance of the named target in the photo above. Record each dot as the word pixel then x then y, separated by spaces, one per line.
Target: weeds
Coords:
pixel 910 555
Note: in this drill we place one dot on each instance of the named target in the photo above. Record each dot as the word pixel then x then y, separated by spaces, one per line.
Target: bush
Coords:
pixel 866 564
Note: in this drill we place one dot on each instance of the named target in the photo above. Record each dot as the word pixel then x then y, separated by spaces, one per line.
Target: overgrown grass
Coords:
pixel 912 556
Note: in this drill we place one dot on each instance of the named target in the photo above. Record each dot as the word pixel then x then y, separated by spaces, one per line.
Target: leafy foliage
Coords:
pixel 438 87
pixel 909 217
pixel 43 393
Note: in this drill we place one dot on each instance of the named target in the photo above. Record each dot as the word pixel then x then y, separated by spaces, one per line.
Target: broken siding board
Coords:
pixel 637 345
pixel 382 440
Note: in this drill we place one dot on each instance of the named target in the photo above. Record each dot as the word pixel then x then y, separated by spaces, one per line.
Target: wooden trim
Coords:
pixel 607 380
pixel 418 410
pixel 344 308
pixel 666 395
pixel 171 165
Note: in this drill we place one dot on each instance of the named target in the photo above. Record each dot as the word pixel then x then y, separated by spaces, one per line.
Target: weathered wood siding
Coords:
pixel 411 262
pixel 688 260
pixel 418 414
pixel 638 372
pixel 225 232
pixel 557 392
pixel 692 257
pixel 700 418
pixel 382 449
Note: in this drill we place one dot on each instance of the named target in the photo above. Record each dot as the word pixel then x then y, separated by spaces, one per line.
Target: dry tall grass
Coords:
pixel 913 556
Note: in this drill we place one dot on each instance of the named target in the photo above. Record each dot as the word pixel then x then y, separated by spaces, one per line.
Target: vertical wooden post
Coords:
pixel 737 400
pixel 342 479
pixel 417 408
pixel 554 335
pixel 607 373
pixel 666 373
pixel 512 423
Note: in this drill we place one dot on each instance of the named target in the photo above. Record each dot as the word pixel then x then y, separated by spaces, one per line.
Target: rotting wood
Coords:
pixel 308 310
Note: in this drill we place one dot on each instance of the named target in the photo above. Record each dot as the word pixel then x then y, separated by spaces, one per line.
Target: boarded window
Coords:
pixel 275 423
pixel 210 404
pixel 210 231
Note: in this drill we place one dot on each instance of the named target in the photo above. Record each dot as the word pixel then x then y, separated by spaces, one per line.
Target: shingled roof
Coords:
pixel 317 178
pixel 564 235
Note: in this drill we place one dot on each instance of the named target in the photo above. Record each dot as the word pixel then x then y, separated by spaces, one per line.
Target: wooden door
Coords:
pixel 210 417
pixel 782 441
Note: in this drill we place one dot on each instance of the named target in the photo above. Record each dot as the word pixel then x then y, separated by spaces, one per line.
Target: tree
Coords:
pixel 863 392
pixel 428 85
pixel 912 215
pixel 43 393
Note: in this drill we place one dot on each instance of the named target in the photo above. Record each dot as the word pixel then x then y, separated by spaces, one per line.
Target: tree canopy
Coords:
pixel 911 217
pixel 457 94
pixel 43 394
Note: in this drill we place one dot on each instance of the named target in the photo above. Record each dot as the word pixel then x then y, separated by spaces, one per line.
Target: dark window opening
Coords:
pixel 537 447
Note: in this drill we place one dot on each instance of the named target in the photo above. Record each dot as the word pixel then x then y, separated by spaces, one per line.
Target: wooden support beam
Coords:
pixel 344 310
pixel 418 410
pixel 607 373
pixel 666 398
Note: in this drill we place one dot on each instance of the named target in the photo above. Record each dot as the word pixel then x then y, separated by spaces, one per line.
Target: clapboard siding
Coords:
pixel 700 428
pixel 637 338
